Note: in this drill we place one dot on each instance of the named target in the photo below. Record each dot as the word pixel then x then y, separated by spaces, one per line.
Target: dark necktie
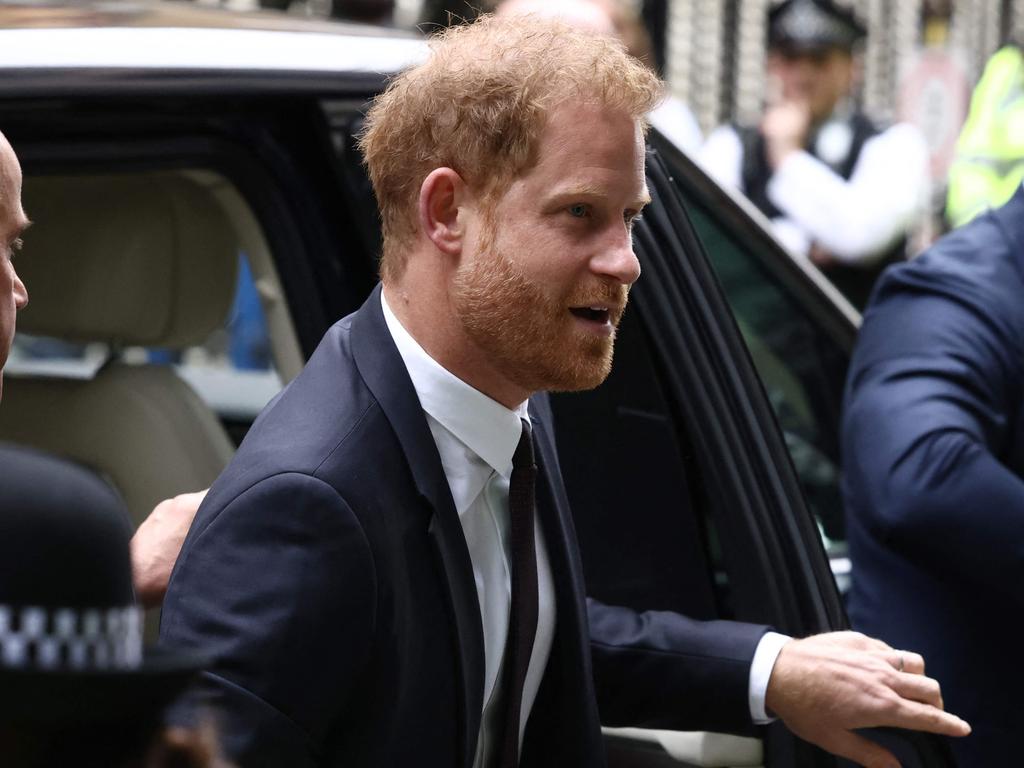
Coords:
pixel 522 625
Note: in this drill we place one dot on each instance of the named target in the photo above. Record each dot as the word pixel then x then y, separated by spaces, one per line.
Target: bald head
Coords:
pixel 582 14
pixel 13 222
pixel 12 217
pixel 616 18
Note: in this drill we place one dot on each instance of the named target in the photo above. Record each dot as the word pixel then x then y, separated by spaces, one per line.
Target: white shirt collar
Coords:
pixel 485 426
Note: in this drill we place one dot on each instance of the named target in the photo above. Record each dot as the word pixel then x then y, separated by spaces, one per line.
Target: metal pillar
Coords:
pixel 749 49
pixel 706 75
pixel 679 50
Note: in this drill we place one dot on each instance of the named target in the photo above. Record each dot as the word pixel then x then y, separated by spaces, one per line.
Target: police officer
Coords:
pixel 837 188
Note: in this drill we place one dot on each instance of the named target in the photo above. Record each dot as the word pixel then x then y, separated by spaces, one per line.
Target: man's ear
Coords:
pixel 442 194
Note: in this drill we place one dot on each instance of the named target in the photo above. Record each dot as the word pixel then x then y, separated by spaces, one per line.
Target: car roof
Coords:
pixel 182 36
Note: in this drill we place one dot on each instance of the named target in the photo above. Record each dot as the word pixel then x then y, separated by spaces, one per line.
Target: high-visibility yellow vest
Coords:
pixel 989 162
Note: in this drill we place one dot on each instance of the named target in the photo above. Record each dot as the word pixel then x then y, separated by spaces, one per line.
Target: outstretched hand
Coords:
pixel 157 543
pixel 826 686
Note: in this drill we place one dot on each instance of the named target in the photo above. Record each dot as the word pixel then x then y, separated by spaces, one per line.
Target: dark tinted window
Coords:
pixel 635 491
pixel 801 360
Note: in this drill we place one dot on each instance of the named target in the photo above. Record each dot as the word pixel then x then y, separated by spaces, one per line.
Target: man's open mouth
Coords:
pixel 599 315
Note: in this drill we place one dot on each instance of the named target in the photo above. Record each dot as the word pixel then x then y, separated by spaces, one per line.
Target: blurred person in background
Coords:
pixel 614 17
pixel 165 528
pixel 989 163
pixel 76 686
pixel 933 472
pixel 837 188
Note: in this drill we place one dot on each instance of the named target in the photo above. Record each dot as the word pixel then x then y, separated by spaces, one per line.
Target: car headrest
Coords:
pixel 145 259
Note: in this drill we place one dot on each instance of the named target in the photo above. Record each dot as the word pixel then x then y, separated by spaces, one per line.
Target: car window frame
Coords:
pixel 324 270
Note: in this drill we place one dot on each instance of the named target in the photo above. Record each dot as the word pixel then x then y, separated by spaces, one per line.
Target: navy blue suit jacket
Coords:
pixel 328 577
pixel 933 459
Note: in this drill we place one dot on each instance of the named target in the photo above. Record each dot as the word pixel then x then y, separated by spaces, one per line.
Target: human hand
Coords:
pixel 784 127
pixel 825 686
pixel 155 546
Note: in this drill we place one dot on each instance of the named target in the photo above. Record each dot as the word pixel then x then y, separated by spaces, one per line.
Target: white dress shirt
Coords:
pixel 857 220
pixel 476 437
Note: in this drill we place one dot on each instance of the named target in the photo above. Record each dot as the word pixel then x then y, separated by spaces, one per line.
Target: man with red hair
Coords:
pixel 387 573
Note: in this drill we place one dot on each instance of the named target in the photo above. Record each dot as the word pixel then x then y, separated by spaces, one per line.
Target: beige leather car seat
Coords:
pixel 141 260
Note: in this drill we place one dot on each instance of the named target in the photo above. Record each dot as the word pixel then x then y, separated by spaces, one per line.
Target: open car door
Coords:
pixel 682 468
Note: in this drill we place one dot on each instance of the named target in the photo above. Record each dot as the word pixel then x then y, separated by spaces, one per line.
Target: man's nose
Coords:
pixel 619 261
pixel 20 293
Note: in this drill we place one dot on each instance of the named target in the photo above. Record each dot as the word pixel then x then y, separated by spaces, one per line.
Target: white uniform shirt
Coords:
pixel 476 437
pixel 856 220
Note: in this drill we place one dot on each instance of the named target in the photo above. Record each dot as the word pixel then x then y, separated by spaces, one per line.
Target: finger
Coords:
pixel 923 717
pixel 918 688
pixel 861 751
pixel 906 661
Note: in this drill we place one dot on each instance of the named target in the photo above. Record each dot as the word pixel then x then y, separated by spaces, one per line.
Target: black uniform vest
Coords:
pixel 855 282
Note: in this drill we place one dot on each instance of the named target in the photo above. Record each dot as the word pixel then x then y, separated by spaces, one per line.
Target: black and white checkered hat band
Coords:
pixel 804 22
pixel 55 639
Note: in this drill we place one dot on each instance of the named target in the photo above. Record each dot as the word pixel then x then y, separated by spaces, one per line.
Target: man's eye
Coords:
pixel 578 211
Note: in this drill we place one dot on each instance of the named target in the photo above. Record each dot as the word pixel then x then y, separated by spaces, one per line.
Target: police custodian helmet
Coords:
pixel 806 26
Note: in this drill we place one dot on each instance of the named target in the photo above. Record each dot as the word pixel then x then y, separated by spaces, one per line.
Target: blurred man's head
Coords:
pixel 811 45
pixel 820 79
pixel 610 17
pixel 582 14
pixel 13 222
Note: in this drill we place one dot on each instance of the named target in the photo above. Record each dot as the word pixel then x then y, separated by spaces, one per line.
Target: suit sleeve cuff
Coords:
pixel 760 673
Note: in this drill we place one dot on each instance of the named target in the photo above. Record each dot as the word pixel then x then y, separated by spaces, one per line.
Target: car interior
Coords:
pixel 125 361
pixel 120 357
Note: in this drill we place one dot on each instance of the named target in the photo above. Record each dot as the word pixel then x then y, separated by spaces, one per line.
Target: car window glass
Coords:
pixel 801 367
pixel 635 492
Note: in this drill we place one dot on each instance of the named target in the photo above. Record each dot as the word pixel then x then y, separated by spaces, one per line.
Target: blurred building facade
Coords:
pixel 714 49
pixel 920 62
pixel 711 52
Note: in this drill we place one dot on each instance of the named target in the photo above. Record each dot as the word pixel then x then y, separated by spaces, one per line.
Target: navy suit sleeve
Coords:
pixel 934 385
pixel 659 669
pixel 276 585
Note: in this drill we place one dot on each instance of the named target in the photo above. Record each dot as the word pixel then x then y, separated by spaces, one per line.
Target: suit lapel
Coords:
pixel 385 374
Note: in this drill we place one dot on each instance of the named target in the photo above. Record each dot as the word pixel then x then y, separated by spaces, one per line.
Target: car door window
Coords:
pixel 155 332
pixel 681 483
pixel 801 359
pixel 235 368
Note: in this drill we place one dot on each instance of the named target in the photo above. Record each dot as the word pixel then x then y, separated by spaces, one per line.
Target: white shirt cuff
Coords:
pixel 760 673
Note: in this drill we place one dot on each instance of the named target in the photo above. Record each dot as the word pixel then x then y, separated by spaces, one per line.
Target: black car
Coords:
pixel 202 217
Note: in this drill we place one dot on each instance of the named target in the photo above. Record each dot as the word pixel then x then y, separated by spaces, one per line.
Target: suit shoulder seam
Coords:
pixel 371 406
